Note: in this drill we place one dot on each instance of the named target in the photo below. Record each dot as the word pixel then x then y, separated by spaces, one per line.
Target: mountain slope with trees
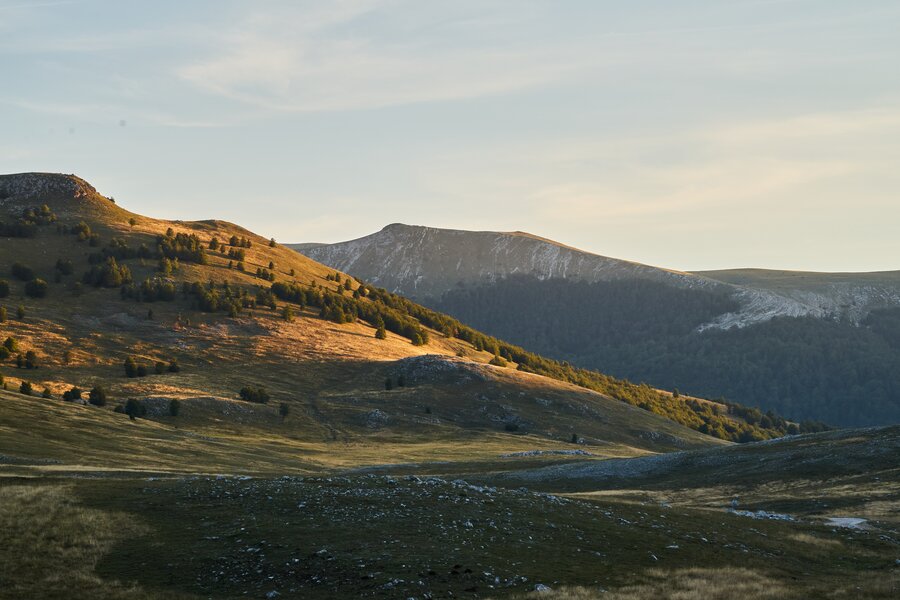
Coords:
pixel 808 345
pixel 134 313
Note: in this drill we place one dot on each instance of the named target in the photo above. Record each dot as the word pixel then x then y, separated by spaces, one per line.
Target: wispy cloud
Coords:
pixel 316 60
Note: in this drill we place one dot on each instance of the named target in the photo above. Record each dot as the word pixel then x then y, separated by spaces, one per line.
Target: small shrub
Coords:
pixel 72 395
pixel 174 367
pixel 20 312
pixel 97 396
pixel 22 272
pixel 134 408
pixel 4 288
pixel 511 427
pixel 160 367
pixel 174 407
pixel 130 367
pixel 258 395
pixel 283 410
pixel 25 388
pixel 36 288
pixel 64 266
pixel 46 394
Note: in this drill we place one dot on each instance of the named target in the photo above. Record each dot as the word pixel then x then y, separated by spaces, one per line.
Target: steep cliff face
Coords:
pixel 425 262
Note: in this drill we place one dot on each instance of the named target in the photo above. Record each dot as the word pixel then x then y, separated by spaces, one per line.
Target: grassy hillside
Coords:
pixel 235 311
pixel 346 482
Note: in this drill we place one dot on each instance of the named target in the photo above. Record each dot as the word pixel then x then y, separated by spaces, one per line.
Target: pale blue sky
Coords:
pixel 686 134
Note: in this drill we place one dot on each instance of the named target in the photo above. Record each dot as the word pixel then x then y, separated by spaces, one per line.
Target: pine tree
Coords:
pixel 130 367
pixel 380 333
pixel 25 388
pixel 134 408
pixel 97 396
pixel 72 395
pixel 283 410
pixel 287 313
pixel 271 242
pixel 20 312
pixel 2 314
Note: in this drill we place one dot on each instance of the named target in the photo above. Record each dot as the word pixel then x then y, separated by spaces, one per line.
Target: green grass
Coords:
pixel 328 537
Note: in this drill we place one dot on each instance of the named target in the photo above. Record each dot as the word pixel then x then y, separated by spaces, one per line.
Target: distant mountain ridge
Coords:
pixel 824 346
pixel 426 262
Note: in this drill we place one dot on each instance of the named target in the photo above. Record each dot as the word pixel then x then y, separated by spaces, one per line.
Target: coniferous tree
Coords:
pixel 160 367
pixel 174 407
pixel 283 410
pixel 25 388
pixel 2 314
pixel 380 333
pixel 46 394
pixel 271 242
pixel 131 368
pixel 72 395
pixel 4 288
pixel 134 408
pixel 36 288
pixel 31 360
pixel 97 396
pixel 287 313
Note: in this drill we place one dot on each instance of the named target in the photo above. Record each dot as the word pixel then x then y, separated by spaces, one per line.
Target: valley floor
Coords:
pixel 460 529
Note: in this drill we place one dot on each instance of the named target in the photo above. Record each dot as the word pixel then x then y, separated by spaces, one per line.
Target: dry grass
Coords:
pixel 51 545
pixel 730 583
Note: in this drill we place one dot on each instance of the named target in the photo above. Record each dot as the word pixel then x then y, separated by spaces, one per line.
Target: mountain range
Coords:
pixel 191 410
pixel 810 345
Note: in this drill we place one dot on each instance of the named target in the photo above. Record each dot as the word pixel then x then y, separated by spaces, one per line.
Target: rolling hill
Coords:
pixel 236 313
pixel 809 345
pixel 298 433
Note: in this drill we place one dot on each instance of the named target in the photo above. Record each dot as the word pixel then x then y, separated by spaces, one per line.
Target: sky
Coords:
pixel 686 134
